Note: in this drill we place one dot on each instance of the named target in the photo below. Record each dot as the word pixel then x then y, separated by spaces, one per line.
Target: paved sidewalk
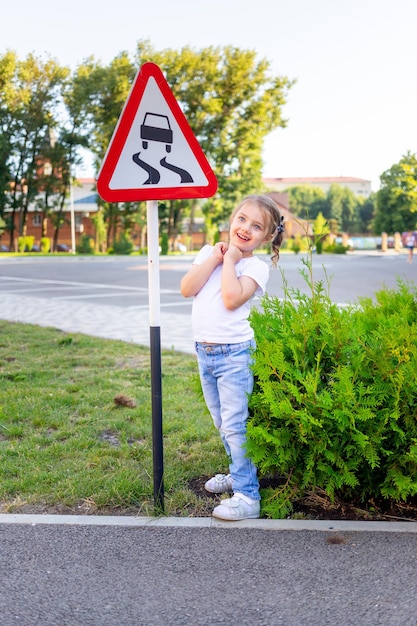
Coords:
pixel 109 322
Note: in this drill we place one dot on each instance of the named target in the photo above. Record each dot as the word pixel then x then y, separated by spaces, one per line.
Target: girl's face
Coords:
pixel 249 228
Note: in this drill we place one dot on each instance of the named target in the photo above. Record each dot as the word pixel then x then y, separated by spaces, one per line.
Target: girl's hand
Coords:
pixel 198 275
pixel 220 250
pixel 234 253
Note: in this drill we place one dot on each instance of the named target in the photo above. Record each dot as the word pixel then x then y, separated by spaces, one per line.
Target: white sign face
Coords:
pixel 153 153
pixel 156 152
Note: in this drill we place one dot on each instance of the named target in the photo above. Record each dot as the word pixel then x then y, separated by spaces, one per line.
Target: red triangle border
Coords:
pixel 121 133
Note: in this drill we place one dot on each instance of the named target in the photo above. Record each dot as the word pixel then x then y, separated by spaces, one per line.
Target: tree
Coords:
pixel 396 200
pixel 230 100
pixel 306 201
pixel 366 214
pixel 29 106
pixel 7 70
pixel 99 94
pixel 342 205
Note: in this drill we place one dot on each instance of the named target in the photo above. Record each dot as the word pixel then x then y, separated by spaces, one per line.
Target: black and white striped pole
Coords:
pixel 155 351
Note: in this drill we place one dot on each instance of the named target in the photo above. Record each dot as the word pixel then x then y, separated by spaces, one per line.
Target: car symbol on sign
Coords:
pixel 156 127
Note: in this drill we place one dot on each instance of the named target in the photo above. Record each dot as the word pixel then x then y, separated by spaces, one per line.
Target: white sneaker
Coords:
pixel 237 507
pixel 220 483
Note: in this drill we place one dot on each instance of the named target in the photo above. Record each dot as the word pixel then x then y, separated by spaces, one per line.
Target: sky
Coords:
pixel 353 108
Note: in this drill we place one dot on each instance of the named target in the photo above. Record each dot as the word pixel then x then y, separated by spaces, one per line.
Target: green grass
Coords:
pixel 65 445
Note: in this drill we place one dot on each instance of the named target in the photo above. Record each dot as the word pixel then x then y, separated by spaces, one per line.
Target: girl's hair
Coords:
pixel 274 217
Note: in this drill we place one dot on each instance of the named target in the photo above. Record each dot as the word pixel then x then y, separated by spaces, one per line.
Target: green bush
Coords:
pixel 335 248
pixel 123 245
pixel 335 399
pixel 85 245
pixel 25 243
pixel 297 244
pixel 45 244
pixel 319 246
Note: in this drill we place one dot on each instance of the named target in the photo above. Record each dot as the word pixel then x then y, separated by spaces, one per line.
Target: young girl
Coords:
pixel 223 280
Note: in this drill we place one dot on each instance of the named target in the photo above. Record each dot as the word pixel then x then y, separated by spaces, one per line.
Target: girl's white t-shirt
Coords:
pixel 212 322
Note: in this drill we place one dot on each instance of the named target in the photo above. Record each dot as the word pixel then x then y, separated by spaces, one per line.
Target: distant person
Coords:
pixel 409 244
pixel 223 280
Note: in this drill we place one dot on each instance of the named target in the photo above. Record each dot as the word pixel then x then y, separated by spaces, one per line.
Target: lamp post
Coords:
pixel 72 216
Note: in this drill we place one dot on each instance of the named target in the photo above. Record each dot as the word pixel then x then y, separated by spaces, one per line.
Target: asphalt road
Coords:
pixel 109 296
pixel 114 576
pixel 123 281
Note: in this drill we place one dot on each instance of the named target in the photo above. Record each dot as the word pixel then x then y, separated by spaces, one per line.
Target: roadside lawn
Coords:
pixel 76 426
pixel 76 433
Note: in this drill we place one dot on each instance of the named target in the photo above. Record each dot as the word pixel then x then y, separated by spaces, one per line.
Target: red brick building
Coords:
pixel 80 206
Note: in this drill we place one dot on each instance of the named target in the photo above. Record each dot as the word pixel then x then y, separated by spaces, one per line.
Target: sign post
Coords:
pixel 155 346
pixel 153 155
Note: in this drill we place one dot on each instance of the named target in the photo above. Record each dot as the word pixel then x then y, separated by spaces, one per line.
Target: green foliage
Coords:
pixel 85 245
pixel 45 244
pixel 31 106
pixel 366 214
pixel 319 246
pixel 335 399
pixel 321 229
pixel 397 197
pixel 306 201
pixel 164 243
pixel 122 245
pixel 231 99
pixel 26 243
pixel 100 229
pixel 335 248
pixel 297 244
pixel 342 207
pixel 342 210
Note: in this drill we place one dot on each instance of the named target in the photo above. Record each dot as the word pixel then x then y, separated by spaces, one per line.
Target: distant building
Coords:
pixel 359 186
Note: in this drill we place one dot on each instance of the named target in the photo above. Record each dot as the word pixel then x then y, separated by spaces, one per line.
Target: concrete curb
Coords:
pixel 209 522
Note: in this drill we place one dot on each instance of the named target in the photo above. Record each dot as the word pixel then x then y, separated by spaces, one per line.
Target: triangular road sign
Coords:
pixel 153 154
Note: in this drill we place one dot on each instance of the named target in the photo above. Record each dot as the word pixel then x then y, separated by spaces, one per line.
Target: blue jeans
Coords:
pixel 227 382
